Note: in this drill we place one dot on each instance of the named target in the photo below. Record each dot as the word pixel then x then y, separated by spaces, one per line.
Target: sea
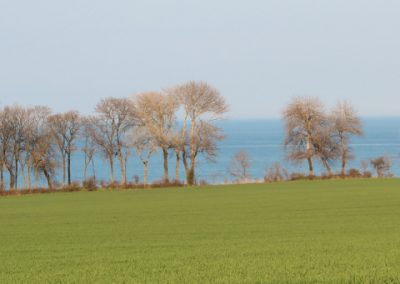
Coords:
pixel 262 139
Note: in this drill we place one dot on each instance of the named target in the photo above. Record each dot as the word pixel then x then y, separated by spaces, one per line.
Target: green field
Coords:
pixel 295 232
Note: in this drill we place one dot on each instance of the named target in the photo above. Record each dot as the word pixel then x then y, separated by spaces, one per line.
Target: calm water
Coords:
pixel 263 141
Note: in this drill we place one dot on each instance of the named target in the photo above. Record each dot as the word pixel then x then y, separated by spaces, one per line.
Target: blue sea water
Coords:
pixel 262 139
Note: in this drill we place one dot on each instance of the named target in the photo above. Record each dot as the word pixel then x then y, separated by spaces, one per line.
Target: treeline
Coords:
pixel 315 135
pixel 34 143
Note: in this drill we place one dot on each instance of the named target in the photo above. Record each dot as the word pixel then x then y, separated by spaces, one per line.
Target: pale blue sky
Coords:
pixel 69 54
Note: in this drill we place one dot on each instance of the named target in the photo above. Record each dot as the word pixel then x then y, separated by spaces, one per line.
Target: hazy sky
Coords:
pixel 69 54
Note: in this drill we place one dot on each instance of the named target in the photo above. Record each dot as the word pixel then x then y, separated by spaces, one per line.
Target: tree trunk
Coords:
pixel 24 175
pixel 12 182
pixel 29 177
pixel 85 167
pixel 185 165
pixel 310 167
pixel 146 173
pixel 2 177
pixel 36 174
pixel 111 160
pixel 308 155
pixel 191 173
pixel 12 177
pixel 69 167
pixel 328 167
pixel 64 169
pixel 122 167
pixel 93 169
pixel 48 178
pixel 16 173
pixel 344 156
pixel 178 157
pixel 190 176
pixel 24 163
pixel 166 174
pixel 126 169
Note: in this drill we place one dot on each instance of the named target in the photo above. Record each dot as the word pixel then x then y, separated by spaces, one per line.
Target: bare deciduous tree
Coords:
pixel 16 124
pixel 114 118
pixel 346 123
pixel 44 157
pixel 5 136
pixel 104 138
pixel 326 147
pixel 202 105
pixel 382 166
pixel 276 173
pixel 304 117
pixel 38 117
pixel 157 113
pixel 65 128
pixel 89 149
pixel 177 144
pixel 240 165
pixel 145 146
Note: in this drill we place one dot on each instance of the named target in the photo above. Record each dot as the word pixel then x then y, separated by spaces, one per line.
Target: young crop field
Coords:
pixel 293 232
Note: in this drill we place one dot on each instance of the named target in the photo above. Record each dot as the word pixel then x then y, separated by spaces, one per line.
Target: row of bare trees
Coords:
pixel 27 147
pixel 35 143
pixel 312 134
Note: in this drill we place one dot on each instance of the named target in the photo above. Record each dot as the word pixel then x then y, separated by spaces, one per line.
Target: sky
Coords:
pixel 258 53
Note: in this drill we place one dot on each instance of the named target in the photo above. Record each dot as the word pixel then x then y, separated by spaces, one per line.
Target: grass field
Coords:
pixel 296 232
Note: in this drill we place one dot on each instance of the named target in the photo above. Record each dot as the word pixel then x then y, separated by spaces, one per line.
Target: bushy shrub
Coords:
pixel 113 185
pixel 367 174
pixel 162 183
pixel 327 176
pixel 354 173
pixel 297 176
pixel 90 184
pixel 276 173
pixel 74 186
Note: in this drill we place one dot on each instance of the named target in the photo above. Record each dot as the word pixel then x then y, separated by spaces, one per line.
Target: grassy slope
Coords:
pixel 322 231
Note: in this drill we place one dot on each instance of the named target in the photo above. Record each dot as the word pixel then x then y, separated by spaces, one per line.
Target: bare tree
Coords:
pixel 104 139
pixel 120 115
pixel 15 124
pixel 38 117
pixel 157 113
pixel 44 156
pixel 178 146
pixel 382 166
pixel 326 147
pixel 364 165
pixel 114 118
pixel 276 173
pixel 202 105
pixel 89 148
pixel 5 136
pixel 346 123
pixel 304 117
pixel 240 165
pixel 145 146
pixel 65 128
